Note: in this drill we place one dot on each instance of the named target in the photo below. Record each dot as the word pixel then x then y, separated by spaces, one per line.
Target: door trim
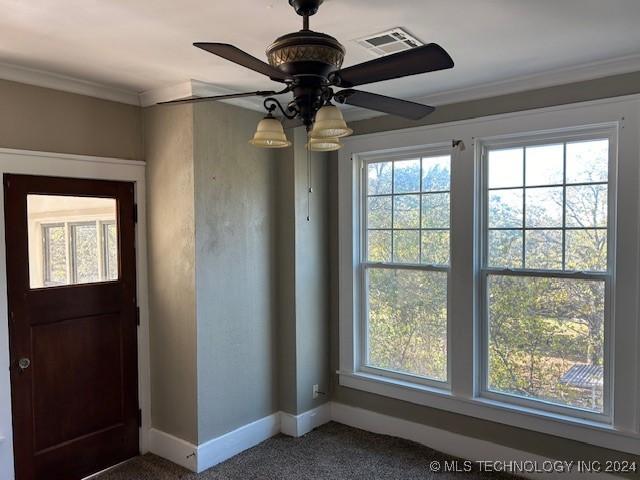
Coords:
pixel 75 166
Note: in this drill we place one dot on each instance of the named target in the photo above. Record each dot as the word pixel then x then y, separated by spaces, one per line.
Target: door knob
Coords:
pixel 24 363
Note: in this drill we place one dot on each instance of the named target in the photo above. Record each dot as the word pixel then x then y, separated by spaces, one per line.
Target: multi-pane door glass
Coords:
pixel 407 216
pixel 72 240
pixel 547 208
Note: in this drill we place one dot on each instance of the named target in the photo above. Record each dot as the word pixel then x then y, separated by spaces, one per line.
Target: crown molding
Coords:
pixel 199 88
pixel 63 83
pixel 551 78
pixel 195 88
pixel 164 94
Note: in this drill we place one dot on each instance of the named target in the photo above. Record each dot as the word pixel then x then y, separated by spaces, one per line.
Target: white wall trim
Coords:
pixel 217 450
pixel 442 440
pixel 230 444
pixel 64 83
pixel 299 425
pixel 173 449
pixel 77 166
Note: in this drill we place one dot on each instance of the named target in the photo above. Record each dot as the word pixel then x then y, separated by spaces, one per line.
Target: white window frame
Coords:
pixel 610 132
pixel 465 396
pixel 364 264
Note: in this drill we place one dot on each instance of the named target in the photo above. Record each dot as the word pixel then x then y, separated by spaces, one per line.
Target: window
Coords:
pixel 72 240
pixel 406 264
pixel 55 254
pixel 546 270
pixel 498 281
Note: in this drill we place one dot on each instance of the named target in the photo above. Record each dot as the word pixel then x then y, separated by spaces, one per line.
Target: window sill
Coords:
pixel 586 431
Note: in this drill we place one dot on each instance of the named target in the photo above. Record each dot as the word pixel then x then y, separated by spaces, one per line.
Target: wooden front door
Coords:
pixel 72 324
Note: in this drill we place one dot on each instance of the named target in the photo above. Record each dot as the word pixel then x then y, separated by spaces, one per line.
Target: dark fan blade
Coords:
pixel 235 55
pixel 427 58
pixel 220 97
pixel 382 103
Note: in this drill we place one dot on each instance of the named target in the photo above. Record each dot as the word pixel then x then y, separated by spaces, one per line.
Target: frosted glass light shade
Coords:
pixel 324 144
pixel 270 134
pixel 330 123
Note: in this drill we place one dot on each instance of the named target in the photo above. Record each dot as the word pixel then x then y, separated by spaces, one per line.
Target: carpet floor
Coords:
pixel 333 451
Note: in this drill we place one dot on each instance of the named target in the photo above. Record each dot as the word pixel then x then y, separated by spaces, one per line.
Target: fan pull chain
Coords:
pixel 309 188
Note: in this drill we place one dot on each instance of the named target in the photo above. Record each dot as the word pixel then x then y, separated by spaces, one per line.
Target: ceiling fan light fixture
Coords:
pixel 328 144
pixel 330 123
pixel 270 134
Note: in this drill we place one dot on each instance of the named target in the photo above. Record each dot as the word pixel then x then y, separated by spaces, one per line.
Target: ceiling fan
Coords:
pixel 309 64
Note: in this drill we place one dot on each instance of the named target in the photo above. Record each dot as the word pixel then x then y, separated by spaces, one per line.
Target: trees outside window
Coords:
pixel 406 264
pixel 546 271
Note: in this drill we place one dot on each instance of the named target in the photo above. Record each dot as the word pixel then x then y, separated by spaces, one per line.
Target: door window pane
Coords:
pixel 72 240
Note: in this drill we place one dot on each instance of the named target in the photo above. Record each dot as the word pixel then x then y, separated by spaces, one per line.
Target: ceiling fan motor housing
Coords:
pixel 306 53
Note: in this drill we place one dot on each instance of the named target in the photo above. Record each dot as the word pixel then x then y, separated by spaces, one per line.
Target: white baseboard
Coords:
pixel 217 450
pixel 226 446
pixel 173 449
pixel 444 441
pixel 299 425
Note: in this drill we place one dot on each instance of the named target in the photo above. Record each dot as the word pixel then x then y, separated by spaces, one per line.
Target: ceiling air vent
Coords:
pixel 388 42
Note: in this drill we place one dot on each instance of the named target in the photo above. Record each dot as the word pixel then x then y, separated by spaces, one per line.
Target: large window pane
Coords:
pixel 546 339
pixel 544 207
pixel 406 176
pixel 588 161
pixel 543 249
pixel 379 245
pixel 586 250
pixel 407 322
pixel 406 211
pixel 587 206
pixel 545 165
pixel 406 246
pixel 505 208
pixel 435 247
pixel 505 249
pixel 379 176
pixel 435 210
pixel 506 168
pixel 379 212
pixel 436 174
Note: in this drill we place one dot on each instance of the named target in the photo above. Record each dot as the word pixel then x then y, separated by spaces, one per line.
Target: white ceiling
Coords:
pixel 145 45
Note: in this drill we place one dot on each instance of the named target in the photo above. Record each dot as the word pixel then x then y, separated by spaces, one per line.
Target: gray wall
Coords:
pixel 303 280
pixel 286 284
pixel 236 276
pixel 171 255
pixel 525 440
pixel 311 276
pixel 42 119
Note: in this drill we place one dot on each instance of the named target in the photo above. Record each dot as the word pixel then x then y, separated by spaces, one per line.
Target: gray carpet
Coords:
pixel 333 451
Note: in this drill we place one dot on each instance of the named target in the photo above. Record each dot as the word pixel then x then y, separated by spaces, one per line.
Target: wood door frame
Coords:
pixel 75 166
